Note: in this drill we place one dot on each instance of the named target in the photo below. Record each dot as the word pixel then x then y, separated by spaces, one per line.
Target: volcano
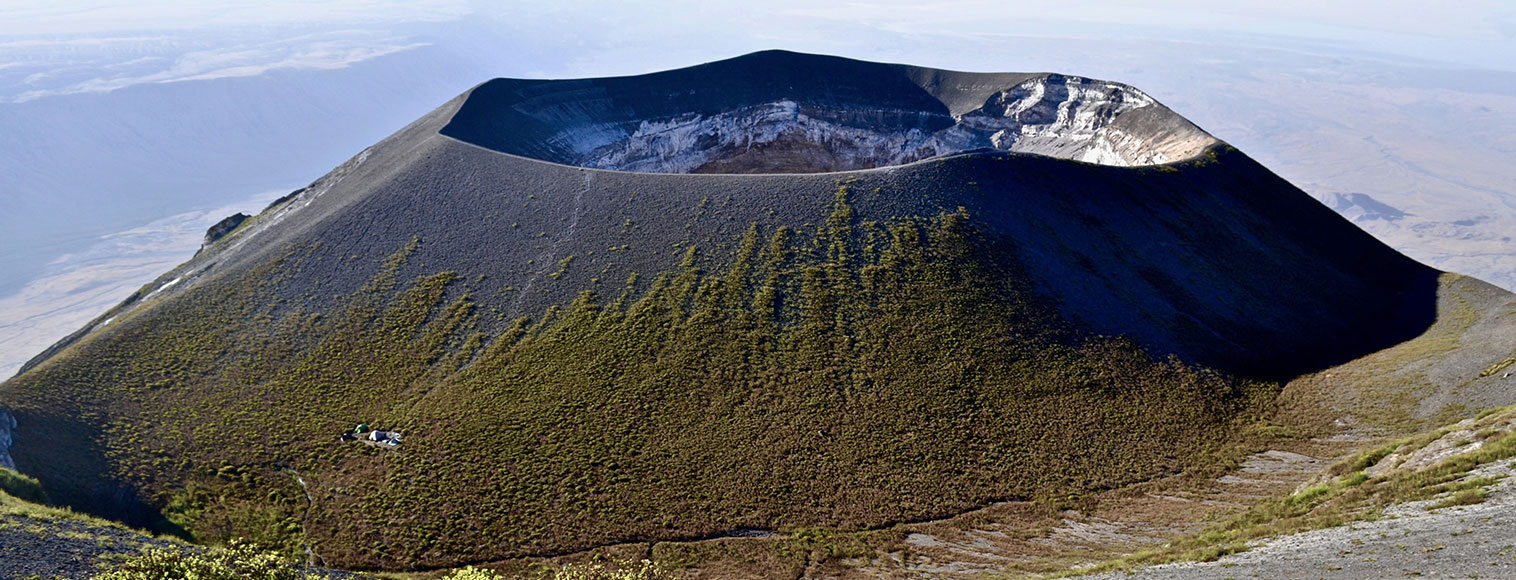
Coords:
pixel 774 292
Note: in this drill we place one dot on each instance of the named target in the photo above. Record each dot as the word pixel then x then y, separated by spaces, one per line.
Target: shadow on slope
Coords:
pixel 1217 260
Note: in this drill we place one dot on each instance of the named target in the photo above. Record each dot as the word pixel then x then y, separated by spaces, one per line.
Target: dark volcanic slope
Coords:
pixel 844 349
pixel 1221 262
pixel 1214 258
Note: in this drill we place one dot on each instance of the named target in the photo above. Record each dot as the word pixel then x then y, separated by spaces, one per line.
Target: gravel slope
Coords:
pixel 45 542
pixel 55 548
pixel 1474 541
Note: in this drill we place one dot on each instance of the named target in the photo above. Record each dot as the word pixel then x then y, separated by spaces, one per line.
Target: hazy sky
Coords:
pixel 1467 33
pixel 1371 21
pixel 29 17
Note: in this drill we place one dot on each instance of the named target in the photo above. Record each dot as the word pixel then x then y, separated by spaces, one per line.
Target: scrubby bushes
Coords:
pixel 242 561
pixel 847 376
pixel 21 486
pixel 238 562
pixel 621 570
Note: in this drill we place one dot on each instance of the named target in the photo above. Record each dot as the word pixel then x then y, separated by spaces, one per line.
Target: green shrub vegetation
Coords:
pixel 14 506
pixel 1462 497
pixel 619 570
pixel 244 561
pixel 21 487
pixel 238 562
pixel 844 377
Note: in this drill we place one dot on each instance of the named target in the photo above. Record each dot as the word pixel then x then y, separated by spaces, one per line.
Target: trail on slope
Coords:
pixel 549 259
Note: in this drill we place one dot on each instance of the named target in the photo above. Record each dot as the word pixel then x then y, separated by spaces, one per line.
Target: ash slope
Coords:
pixel 1212 258
pixel 389 290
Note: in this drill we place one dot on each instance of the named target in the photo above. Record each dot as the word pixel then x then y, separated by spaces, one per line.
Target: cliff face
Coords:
pixel 751 116
pixel 1054 115
pixel 7 423
pixel 222 228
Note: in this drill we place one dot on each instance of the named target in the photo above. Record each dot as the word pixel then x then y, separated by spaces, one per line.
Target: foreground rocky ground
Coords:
pixel 45 547
pixel 46 543
pixel 1463 532
pixel 1411 540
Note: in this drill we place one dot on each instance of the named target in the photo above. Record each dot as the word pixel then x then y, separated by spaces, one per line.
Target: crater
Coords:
pixel 782 112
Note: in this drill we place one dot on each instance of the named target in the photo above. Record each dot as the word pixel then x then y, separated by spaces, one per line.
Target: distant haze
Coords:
pixel 114 117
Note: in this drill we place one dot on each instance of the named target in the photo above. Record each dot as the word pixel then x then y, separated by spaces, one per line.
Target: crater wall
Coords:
pixel 804 123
